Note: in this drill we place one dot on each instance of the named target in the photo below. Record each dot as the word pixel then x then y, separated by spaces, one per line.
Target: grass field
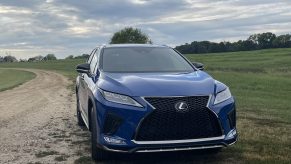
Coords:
pixel 10 78
pixel 260 81
pixel 65 67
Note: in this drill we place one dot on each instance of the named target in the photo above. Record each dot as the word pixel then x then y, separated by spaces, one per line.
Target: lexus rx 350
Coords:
pixel 150 98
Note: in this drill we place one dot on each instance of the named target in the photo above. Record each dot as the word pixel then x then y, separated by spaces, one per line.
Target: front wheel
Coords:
pixel 97 153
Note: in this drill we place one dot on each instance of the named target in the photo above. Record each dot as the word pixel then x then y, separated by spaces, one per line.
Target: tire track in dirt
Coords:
pixel 37 122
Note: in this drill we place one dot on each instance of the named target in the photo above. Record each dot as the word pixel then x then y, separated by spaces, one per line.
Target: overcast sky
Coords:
pixel 73 27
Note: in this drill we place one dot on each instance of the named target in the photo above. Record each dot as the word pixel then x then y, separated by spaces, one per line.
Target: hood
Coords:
pixel 157 84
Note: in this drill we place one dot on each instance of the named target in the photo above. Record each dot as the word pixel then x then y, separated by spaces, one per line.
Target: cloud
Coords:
pixel 35 27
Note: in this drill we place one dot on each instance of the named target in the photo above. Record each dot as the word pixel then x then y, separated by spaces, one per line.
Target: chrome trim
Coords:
pixel 232 143
pixel 178 141
pixel 143 97
pixel 219 122
pixel 208 104
pixel 113 150
pixel 179 149
pixel 173 96
pixel 209 99
pixel 142 150
pixel 147 102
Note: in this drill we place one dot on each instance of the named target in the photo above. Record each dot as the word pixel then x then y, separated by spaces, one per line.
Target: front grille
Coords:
pixel 166 123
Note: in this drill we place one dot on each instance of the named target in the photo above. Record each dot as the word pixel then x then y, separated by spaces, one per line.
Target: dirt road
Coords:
pixel 37 122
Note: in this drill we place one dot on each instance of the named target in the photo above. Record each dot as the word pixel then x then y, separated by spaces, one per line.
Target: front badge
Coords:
pixel 181 107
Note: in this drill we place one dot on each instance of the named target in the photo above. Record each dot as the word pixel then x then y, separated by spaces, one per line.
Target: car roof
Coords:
pixel 133 45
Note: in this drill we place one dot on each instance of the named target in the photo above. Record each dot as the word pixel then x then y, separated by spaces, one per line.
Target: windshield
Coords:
pixel 143 59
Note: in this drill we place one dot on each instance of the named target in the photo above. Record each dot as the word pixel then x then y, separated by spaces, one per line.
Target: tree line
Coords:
pixel 254 42
pixel 9 58
pixel 134 35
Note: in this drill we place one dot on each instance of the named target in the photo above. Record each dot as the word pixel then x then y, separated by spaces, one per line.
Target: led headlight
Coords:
pixel 118 98
pixel 222 96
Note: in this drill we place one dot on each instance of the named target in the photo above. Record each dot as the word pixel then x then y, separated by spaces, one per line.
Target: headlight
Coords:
pixel 222 96
pixel 121 99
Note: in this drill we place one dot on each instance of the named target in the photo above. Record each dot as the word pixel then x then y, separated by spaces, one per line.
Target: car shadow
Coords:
pixel 197 156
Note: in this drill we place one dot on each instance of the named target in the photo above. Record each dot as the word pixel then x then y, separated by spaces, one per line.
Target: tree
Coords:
pixel 130 35
pixel 265 40
pixel 49 57
pixel 22 60
pixel 254 42
pixel 9 58
pixel 253 38
pixel 31 59
pixel 36 58
pixel 282 41
pixel 70 57
pixel 1 59
pixel 83 56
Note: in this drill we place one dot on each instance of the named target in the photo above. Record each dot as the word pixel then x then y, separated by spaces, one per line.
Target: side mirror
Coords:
pixel 83 68
pixel 199 66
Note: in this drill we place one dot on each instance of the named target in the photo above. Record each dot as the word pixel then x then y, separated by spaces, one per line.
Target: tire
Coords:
pixel 79 117
pixel 97 153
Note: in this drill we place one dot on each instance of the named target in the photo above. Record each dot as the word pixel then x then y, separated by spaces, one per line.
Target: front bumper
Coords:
pixel 132 116
pixel 178 145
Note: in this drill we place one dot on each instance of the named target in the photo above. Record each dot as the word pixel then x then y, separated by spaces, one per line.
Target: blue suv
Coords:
pixel 150 98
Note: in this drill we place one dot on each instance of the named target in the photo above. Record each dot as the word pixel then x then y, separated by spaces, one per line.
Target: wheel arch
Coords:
pixel 90 105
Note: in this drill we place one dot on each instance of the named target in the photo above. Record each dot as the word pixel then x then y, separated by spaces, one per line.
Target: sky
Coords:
pixel 73 27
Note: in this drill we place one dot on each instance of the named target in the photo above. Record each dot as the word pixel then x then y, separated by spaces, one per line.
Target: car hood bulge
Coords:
pixel 158 84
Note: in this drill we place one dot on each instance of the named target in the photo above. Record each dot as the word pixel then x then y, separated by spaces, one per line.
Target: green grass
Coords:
pixel 261 83
pixel 65 67
pixel 10 78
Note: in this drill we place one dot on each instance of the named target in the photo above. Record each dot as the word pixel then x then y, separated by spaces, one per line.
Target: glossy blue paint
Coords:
pixel 138 85
pixel 158 84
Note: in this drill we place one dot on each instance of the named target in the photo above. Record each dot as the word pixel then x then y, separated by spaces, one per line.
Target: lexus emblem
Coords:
pixel 181 107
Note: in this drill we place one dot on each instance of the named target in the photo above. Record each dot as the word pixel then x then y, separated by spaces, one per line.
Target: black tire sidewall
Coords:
pixel 93 134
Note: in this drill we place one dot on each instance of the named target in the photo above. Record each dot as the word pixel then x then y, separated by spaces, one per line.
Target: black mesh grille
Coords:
pixel 166 123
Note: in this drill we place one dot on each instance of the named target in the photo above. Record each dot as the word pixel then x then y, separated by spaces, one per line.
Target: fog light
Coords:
pixel 231 134
pixel 115 141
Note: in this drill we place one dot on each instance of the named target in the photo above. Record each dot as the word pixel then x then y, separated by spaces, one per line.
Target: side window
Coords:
pixel 97 62
pixel 93 63
pixel 91 55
